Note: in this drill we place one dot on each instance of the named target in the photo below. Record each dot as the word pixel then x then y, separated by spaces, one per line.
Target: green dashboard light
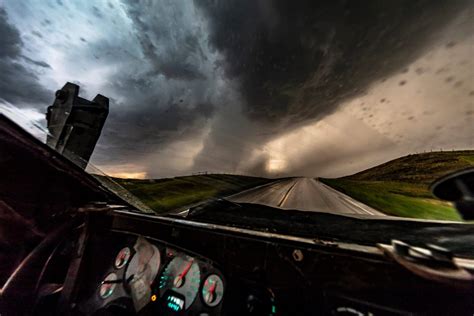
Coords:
pixel 173 306
pixel 174 303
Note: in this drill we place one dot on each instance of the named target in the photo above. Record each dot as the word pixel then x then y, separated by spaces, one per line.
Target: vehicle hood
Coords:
pixel 457 237
pixel 38 186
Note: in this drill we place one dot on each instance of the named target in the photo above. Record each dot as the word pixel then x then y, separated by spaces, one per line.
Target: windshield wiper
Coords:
pixel 431 262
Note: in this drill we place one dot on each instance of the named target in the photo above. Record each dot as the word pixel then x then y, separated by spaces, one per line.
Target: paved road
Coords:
pixel 306 194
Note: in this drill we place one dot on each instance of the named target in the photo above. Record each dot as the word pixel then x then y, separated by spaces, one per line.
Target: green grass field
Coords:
pixel 163 195
pixel 400 187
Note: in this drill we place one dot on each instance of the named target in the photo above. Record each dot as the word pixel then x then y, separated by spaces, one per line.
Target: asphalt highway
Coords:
pixel 306 194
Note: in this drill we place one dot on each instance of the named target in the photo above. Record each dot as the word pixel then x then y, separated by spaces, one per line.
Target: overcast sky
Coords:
pixel 258 87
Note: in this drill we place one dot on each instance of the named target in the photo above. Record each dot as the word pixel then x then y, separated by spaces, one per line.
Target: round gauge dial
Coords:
pixel 145 264
pixel 212 290
pixel 182 275
pixel 141 272
pixel 107 286
pixel 122 258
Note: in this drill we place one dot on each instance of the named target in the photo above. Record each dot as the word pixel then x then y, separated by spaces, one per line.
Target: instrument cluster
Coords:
pixel 148 279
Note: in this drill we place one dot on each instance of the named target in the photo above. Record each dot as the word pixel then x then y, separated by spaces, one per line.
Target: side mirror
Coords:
pixel 458 188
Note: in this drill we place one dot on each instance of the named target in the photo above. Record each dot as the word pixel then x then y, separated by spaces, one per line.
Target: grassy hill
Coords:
pixel 400 187
pixel 163 195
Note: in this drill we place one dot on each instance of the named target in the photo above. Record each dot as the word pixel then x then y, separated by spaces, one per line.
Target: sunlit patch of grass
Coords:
pixel 396 199
pixel 467 159
pixel 400 187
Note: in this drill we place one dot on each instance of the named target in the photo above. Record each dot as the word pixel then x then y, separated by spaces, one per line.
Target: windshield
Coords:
pixel 348 108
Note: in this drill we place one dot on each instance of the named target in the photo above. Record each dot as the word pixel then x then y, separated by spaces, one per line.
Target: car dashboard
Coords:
pixel 136 264
pixel 151 277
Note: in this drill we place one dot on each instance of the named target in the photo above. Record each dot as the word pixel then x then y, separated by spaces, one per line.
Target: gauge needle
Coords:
pixel 118 280
pixel 178 282
pixel 210 293
pixel 213 288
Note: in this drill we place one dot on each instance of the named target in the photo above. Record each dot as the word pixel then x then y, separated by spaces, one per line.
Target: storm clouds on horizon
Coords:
pixel 267 88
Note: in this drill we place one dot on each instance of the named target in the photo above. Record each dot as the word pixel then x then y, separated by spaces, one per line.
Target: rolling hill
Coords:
pixel 400 187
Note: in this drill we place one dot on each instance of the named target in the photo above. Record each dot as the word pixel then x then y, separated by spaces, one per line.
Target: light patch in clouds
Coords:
pixel 28 118
pixel 177 158
pixel 333 146
pixel 276 166
pixel 425 107
pixel 116 173
pixel 126 170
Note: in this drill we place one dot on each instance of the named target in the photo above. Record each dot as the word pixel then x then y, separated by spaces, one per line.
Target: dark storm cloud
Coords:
pixel 166 88
pixel 18 84
pixel 160 82
pixel 299 60
pixel 150 114
pixel 175 60
pixel 37 34
pixel 143 125
pixel 46 22
pixel 97 12
pixel 11 41
pixel 137 133
pixel 36 62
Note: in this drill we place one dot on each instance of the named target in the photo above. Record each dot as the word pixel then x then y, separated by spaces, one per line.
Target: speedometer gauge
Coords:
pixel 182 275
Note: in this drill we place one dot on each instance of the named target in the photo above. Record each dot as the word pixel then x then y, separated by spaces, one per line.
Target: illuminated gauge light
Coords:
pixel 170 253
pixel 122 258
pixel 175 303
pixel 212 290
pixel 272 300
pixel 107 287
pixel 182 275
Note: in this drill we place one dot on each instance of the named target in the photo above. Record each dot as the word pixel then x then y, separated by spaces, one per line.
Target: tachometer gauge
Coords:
pixel 145 263
pixel 141 272
pixel 212 290
pixel 182 275
pixel 122 258
pixel 107 286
